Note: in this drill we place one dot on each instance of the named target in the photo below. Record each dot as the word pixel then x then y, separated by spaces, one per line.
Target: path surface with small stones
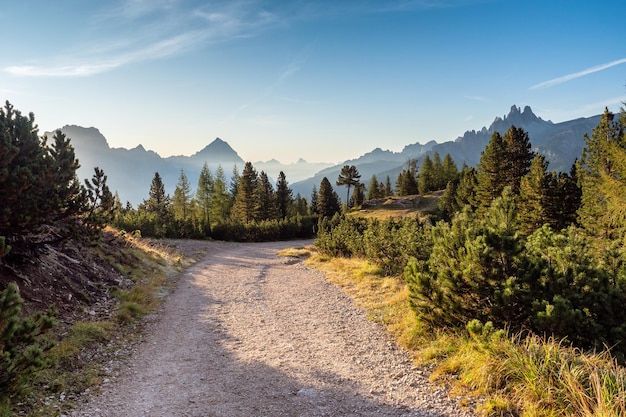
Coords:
pixel 249 333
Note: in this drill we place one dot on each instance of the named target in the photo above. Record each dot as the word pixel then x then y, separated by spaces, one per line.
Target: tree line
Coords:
pixel 248 207
pixel 514 244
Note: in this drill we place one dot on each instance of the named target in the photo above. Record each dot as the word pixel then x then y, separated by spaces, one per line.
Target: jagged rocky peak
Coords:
pixel 517 117
pixel 218 149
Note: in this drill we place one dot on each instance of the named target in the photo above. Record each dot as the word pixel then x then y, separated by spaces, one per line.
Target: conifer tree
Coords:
pixel 99 203
pixel 265 199
pixel 519 156
pixel 439 182
pixel 203 196
pixel 534 195
pixel 603 208
pixel 466 190
pixel 244 206
pixel 349 176
pixel 158 202
pixel 221 201
pixel 427 177
pixel 25 188
pixel 66 198
pixel 358 196
pixel 491 170
pixel 181 202
pixel 388 189
pixel 284 196
pixel 314 197
pixel 327 200
pixel 450 170
pixel 373 190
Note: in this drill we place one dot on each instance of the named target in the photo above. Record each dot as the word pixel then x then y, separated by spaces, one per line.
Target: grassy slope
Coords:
pixel 98 329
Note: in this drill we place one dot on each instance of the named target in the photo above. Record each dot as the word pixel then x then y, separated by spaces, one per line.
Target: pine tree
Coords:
pixel 519 156
pixel 358 196
pixel 221 200
pixel 373 191
pixel 284 196
pixel 99 203
pixel 534 195
pixel 314 197
pixel 349 176
pixel 181 202
pixel 25 175
pixel 158 202
pixel 490 176
pixel 203 196
pixel 245 204
pixel 450 170
pixel 388 189
pixel 439 182
pixel 427 177
pixel 327 200
pixel 603 208
pixel 265 199
pixel 466 190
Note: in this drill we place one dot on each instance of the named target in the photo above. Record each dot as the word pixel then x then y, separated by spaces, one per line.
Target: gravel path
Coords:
pixel 247 333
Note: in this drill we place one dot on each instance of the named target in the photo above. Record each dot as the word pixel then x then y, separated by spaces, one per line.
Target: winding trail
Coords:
pixel 248 333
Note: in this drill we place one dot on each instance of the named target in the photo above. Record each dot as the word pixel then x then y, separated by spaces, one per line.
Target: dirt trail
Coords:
pixel 247 333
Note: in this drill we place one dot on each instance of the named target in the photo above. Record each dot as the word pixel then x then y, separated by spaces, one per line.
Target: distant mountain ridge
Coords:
pixel 130 171
pixel 561 144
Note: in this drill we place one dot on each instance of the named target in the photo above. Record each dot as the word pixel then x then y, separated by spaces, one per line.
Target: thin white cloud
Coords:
pixel 175 31
pixel 569 77
pixel 477 98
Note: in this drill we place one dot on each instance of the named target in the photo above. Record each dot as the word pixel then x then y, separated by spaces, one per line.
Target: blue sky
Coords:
pixel 323 80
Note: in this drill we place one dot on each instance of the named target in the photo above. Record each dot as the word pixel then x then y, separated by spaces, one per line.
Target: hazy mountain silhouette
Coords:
pixel 561 143
pixel 130 171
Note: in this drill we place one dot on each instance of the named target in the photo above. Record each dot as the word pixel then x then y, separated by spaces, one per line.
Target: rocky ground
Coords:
pixel 248 333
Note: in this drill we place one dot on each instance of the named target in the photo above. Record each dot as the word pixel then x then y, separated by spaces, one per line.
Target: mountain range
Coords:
pixel 130 171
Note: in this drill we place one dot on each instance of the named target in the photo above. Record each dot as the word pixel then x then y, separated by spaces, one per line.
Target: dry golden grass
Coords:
pixel 510 375
pixel 398 207
pixel 384 298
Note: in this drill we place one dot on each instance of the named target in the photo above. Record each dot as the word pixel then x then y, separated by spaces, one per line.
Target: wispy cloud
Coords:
pixel 477 98
pixel 148 30
pixel 569 77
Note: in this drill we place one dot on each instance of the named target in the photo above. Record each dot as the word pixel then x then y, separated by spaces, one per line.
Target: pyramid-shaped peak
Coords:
pixel 217 151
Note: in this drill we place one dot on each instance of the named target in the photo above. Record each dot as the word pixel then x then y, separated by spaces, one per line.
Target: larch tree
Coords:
pixel 349 176
pixel 204 190
pixel 602 172
pixel 221 200
pixel 181 202
pixel 427 177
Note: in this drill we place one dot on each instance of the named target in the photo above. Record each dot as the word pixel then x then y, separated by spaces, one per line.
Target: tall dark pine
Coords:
pixel 519 156
pixel 24 174
pixel 265 199
pixel 284 195
pixel 314 197
pixel 203 197
pixel 158 202
pixel 327 200
pixel 426 180
pixel 349 176
pixel 245 204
